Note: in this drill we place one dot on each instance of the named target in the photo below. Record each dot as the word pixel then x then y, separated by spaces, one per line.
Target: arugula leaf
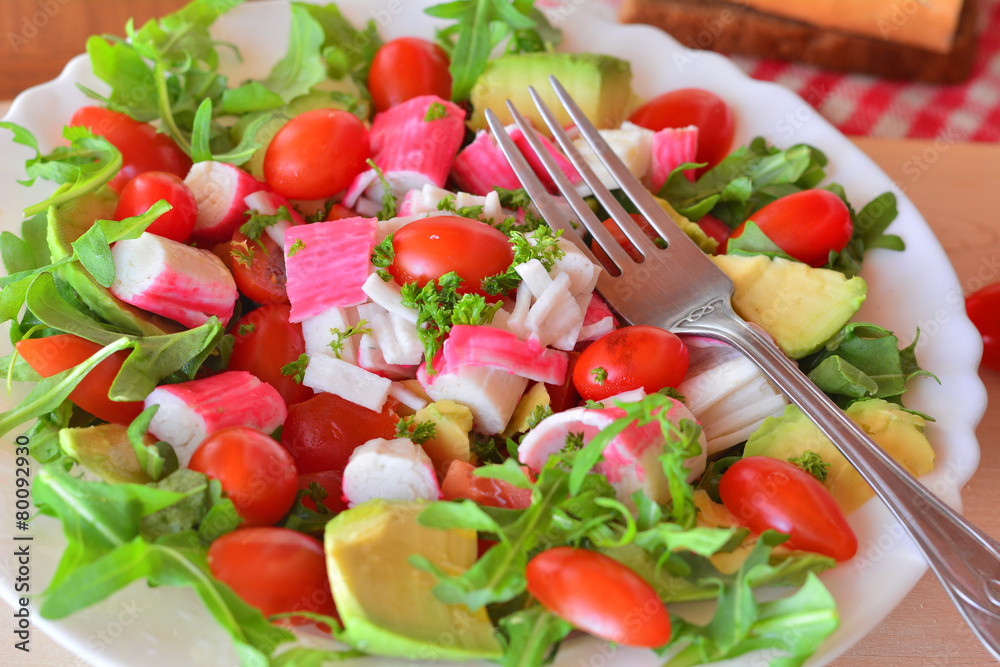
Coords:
pixel 303 65
pixel 869 232
pixel 251 96
pixel 131 80
pixel 531 637
pixel 182 35
pixel 478 27
pixel 753 241
pixel 346 49
pixel 155 460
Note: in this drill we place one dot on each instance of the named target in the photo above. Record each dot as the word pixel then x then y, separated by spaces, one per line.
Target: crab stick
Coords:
pixel 220 190
pixel 389 469
pixel 490 394
pixel 469 346
pixel 269 203
pixel 317 332
pixel 350 382
pixel 670 148
pixel 190 411
pixel 371 359
pixel 330 265
pixel 411 147
pixel 174 280
pixel 481 165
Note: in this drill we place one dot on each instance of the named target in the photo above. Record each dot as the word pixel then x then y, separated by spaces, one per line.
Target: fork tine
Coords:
pixel 583 213
pixel 624 221
pixel 641 197
pixel 552 214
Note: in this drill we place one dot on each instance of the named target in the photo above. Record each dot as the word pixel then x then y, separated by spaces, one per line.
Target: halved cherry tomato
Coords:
pixel 316 154
pixel 808 225
pixel 630 358
pixel 259 268
pixel 322 432
pixel 983 307
pixel 405 68
pixel 427 249
pixel 461 482
pixel 276 570
pixel 255 471
pixel 150 187
pixel 714 228
pixel 265 342
pixel 54 354
pixel 599 595
pixel 143 148
pixel 770 494
pixel 332 482
pixel 692 106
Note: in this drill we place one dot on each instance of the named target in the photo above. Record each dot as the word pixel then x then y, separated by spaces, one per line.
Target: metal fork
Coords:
pixel 681 290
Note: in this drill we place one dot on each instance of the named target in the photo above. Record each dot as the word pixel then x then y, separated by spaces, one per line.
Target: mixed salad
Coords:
pixel 304 345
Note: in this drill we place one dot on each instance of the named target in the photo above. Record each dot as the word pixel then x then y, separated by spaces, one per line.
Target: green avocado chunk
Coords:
pixel 67 222
pixel 898 432
pixel 388 606
pixel 799 306
pixel 106 451
pixel 600 84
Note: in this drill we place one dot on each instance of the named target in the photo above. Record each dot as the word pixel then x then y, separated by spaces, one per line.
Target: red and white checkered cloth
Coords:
pixel 867 105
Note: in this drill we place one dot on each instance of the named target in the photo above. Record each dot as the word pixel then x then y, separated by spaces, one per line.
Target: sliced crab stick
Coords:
pixel 351 383
pixel 491 394
pixel 317 331
pixel 389 469
pixel 672 147
pixel 220 190
pixel 168 278
pixel 330 265
pixel 371 359
pixel 494 348
pixel 597 320
pixel 565 166
pixel 410 148
pixel 190 411
pixel 481 165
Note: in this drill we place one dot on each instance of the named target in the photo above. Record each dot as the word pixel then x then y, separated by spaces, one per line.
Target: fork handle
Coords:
pixel 965 559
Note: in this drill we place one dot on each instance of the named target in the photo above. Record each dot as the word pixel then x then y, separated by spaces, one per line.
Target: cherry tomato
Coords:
pixel 405 68
pixel 276 570
pixel 143 148
pixel 265 342
pixel 259 268
pixel 332 482
pixel 461 482
pixel 150 187
pixel 618 235
pixel 770 494
pixel 427 249
pixel 714 228
pixel 54 354
pixel 630 358
pixel 808 225
pixel 564 396
pixel 322 432
pixel 983 307
pixel 256 472
pixel 316 154
pixel 599 595
pixel 692 106
pixel 340 212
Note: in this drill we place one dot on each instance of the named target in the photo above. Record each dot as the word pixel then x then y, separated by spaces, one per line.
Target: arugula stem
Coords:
pixel 163 102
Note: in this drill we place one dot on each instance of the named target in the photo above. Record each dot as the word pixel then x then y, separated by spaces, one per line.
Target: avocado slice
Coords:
pixel 67 222
pixel 898 432
pixel 452 424
pixel 387 605
pixel 799 306
pixel 600 84
pixel 106 451
pixel 537 396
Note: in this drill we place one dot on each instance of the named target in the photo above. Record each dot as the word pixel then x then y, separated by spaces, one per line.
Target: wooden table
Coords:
pixel 956 193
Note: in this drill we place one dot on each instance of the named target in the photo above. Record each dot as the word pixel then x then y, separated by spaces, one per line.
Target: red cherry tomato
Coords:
pixel 258 268
pixel 983 307
pixel 54 354
pixel 256 472
pixel 461 482
pixel 427 249
pixel 332 482
pixel 770 494
pixel 618 235
pixel 265 342
pixel 564 396
pixel 692 106
pixel 599 595
pixel 340 212
pixel 714 228
pixel 276 570
pixel 316 154
pixel 143 148
pixel 630 358
pixel 808 225
pixel 150 187
pixel 405 68
pixel 322 432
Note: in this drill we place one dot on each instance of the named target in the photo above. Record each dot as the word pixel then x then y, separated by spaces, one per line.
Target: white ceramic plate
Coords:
pixel 906 290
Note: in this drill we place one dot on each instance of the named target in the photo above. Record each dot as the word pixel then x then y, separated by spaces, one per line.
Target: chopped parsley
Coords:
pixel 447 203
pixel 574 441
pixel 383 253
pixel 337 344
pixel 672 393
pixel 473 309
pixel 418 432
pixel 298 245
pixel 600 375
pixel 296 369
pixel 543 246
pixel 435 111
pixel 247 329
pixel 257 222
pixel 540 412
pixel 241 253
pixel 388 199
pixel 812 463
